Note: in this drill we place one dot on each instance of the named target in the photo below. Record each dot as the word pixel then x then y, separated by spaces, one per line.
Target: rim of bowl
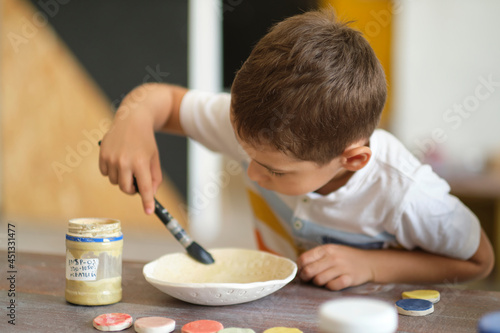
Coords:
pixel 234 285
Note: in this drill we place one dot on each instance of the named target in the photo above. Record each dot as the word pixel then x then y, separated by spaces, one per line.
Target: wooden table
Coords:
pixel 41 307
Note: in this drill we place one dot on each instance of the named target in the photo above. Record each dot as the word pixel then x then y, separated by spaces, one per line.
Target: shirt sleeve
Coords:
pixel 436 221
pixel 205 118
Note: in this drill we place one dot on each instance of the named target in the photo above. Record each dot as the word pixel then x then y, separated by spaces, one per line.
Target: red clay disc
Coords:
pixel 112 322
pixel 202 326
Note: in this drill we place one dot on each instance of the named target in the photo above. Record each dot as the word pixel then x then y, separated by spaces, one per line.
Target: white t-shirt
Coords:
pixel 394 201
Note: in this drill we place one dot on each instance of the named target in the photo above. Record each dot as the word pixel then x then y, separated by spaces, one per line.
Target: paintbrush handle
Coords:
pixel 193 249
pixel 172 225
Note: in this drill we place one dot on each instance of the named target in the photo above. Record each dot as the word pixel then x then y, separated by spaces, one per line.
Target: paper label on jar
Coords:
pixel 81 269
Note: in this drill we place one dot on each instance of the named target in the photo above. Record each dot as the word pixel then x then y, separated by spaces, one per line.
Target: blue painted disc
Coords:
pixel 413 304
pixel 490 323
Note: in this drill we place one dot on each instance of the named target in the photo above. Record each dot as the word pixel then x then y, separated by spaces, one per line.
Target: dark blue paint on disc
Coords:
pixel 413 304
pixel 414 307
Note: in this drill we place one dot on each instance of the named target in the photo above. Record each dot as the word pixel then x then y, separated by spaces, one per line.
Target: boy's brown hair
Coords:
pixel 310 87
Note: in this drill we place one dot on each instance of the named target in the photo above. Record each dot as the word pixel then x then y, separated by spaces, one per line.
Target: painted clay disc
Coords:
pixel 154 325
pixel 430 295
pixel 282 330
pixel 202 326
pixel 357 314
pixel 414 307
pixel 236 330
pixel 111 322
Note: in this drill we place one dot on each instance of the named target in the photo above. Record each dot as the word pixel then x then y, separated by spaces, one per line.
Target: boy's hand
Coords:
pixel 127 151
pixel 335 266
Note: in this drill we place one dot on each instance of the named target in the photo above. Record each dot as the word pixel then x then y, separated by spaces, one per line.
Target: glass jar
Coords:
pixel 94 261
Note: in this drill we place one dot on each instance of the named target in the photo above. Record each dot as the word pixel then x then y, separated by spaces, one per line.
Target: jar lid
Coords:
pixel 94 227
pixel 358 314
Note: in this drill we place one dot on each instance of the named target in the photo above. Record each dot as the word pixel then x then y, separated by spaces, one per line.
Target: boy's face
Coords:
pixel 276 171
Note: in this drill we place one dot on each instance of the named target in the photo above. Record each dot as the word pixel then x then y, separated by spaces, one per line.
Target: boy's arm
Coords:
pixel 129 148
pixel 337 267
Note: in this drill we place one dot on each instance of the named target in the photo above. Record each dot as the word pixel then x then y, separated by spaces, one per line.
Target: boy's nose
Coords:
pixel 254 172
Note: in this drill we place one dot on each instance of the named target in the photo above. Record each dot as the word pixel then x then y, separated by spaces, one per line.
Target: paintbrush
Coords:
pixel 193 249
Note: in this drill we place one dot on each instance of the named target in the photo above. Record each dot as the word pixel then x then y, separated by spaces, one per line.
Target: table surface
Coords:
pixel 41 306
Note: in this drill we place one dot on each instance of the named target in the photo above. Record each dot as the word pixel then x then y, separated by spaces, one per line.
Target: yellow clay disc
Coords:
pixel 430 295
pixel 282 330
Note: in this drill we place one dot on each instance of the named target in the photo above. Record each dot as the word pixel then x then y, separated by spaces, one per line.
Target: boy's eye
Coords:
pixel 277 174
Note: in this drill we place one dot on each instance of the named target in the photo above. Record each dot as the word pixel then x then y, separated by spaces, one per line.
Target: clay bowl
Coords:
pixel 237 276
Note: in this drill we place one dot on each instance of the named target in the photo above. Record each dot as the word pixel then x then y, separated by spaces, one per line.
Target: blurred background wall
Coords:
pixel 447 82
pixel 66 65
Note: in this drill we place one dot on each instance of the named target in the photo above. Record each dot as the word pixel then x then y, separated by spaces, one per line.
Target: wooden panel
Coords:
pixel 52 117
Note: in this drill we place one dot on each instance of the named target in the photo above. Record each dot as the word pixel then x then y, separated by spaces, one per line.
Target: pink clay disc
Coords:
pixel 202 326
pixel 111 322
pixel 154 325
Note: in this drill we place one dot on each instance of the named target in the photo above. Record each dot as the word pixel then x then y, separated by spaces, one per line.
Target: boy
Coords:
pixel 349 201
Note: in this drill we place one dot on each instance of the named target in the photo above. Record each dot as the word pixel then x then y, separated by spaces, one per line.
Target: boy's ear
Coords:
pixel 355 158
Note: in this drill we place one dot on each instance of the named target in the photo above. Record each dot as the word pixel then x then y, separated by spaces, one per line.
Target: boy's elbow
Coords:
pixel 483 259
pixel 485 267
pixel 488 265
